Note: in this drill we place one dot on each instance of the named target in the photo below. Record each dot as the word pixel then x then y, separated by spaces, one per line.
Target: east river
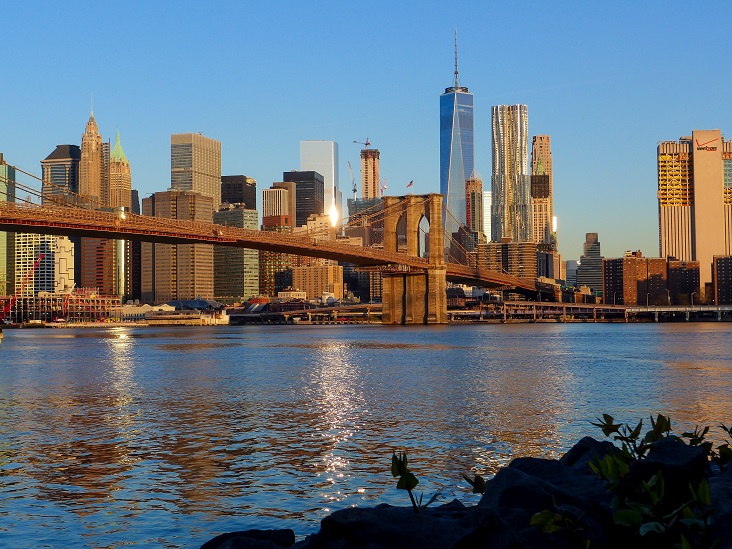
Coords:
pixel 166 437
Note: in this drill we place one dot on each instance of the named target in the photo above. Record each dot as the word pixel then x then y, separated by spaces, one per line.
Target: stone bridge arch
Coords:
pixel 415 296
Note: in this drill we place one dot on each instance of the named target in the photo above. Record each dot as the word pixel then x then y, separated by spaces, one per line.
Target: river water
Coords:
pixel 166 437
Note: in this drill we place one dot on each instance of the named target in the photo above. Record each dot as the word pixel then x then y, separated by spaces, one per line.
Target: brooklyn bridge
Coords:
pixel 414 273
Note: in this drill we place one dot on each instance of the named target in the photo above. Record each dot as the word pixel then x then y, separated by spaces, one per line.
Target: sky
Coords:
pixel 607 81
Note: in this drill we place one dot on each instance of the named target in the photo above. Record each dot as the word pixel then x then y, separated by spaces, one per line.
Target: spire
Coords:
pixel 456 61
pixel 91 103
pixel 118 154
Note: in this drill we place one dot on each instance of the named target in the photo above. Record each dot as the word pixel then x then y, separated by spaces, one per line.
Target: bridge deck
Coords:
pixel 72 221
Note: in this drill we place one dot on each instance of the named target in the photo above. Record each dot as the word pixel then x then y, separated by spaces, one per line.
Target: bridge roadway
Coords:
pixel 72 221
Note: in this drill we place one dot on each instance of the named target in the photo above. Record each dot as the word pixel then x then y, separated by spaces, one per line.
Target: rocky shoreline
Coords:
pixel 502 518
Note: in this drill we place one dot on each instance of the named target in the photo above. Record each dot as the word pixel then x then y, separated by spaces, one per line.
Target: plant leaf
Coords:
pixel 627 517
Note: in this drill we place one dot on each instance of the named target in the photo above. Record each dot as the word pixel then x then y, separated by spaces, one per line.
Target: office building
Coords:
pixel 93 178
pixel 134 291
pixel 309 193
pixel 177 271
pixel 487 205
pixel 195 165
pixel 60 171
pixel 322 157
pixel 236 270
pixel 695 201
pixel 542 190
pixel 589 268
pixel 456 149
pixel 278 213
pixel 474 203
pixel 120 178
pixel 316 280
pixel 277 201
pixel 273 265
pixel 370 178
pixel 510 183
pixel 96 265
pixel 239 189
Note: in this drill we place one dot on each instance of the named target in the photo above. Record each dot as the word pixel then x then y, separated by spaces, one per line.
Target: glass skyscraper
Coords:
pixel 456 150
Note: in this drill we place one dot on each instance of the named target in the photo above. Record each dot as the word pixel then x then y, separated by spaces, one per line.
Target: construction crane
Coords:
pixel 353 181
pixel 366 145
pixel 14 298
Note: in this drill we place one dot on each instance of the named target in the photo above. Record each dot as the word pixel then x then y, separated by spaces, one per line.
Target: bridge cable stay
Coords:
pixel 65 191
pixel 450 242
pixel 30 190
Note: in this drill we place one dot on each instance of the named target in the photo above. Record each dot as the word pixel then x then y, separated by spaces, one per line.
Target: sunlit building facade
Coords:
pixel 695 200
pixel 510 183
pixel 542 190
pixel 177 271
pixel 370 178
pixel 195 165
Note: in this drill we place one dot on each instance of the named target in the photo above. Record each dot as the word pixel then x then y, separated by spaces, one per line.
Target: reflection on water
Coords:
pixel 167 437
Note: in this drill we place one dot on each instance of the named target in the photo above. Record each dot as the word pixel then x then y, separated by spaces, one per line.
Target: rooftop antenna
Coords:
pixel 91 102
pixel 456 59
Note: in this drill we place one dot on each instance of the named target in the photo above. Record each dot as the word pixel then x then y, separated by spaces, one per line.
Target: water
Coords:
pixel 167 437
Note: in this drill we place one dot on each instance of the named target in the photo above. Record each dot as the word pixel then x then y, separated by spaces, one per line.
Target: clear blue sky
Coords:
pixel 607 81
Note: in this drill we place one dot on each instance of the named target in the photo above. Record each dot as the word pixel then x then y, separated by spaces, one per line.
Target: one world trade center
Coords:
pixel 456 149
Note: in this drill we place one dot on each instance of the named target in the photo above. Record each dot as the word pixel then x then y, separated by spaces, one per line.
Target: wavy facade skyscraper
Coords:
pixel 511 216
pixel 456 149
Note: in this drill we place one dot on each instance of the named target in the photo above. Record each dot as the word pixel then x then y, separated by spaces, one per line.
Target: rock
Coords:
pixel 502 518
pixel 252 539
pixel 385 526
pixel 678 463
pixel 720 490
pixel 586 450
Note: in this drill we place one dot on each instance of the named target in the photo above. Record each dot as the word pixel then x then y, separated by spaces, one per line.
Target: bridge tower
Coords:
pixel 415 296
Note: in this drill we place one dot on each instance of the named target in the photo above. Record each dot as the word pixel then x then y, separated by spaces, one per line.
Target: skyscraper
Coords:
pixel 322 157
pixel 370 179
pixel 236 270
pixel 195 165
pixel 474 203
pixel 60 171
pixel 456 149
pixel 177 271
pixel 542 189
pixel 120 178
pixel 95 257
pixel 589 268
pixel 510 184
pixel 278 216
pixel 695 201
pixel 309 194
pixel 92 176
pixel 239 189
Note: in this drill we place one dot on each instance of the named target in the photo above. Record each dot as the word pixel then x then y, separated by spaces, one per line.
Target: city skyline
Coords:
pixel 597 89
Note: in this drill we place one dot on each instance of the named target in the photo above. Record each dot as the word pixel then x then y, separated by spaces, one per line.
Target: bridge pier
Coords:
pixel 415 297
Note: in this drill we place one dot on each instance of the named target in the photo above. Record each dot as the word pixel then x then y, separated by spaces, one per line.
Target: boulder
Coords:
pixel 252 539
